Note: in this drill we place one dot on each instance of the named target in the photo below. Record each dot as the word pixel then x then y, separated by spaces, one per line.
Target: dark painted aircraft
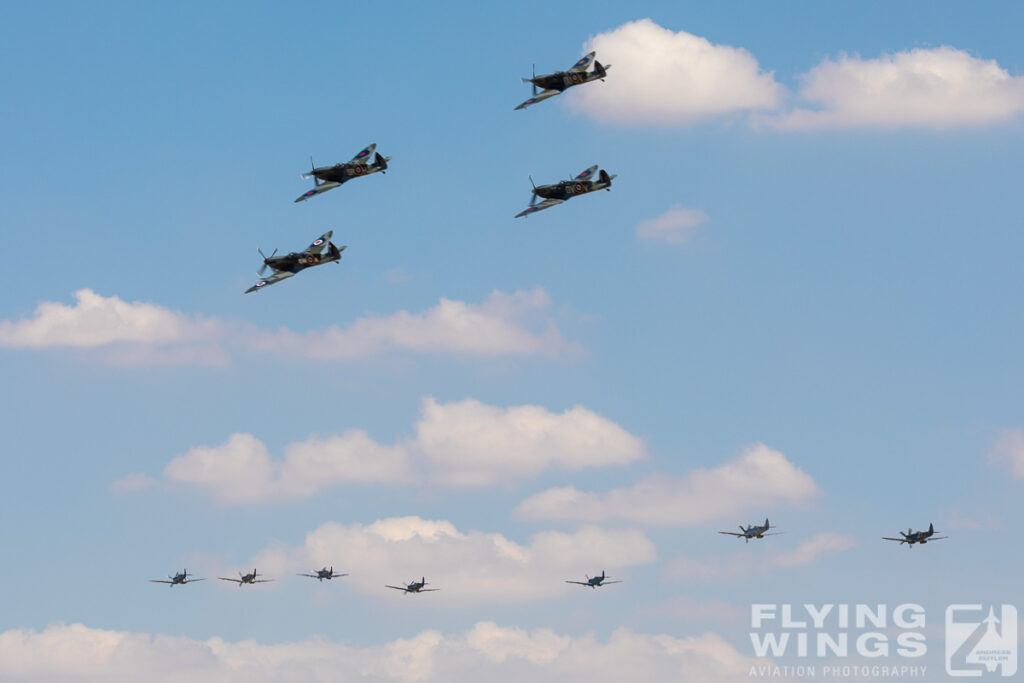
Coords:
pixel 594 581
pixel 180 578
pixel 567 189
pixel 329 177
pixel 415 587
pixel 246 578
pixel 752 531
pixel 558 82
pixel 912 537
pixel 324 573
pixel 297 261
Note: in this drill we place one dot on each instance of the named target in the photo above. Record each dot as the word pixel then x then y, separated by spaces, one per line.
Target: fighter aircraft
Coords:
pixel 180 578
pixel 595 581
pixel 246 578
pixel 556 83
pixel 329 177
pixel 322 574
pixel 415 587
pixel 566 190
pixel 290 264
pixel 752 531
pixel 912 537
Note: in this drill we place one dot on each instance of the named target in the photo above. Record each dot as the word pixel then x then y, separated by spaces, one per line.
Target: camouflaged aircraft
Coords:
pixel 295 262
pixel 595 581
pixel 558 82
pixel 415 587
pixel 329 177
pixel 178 579
pixel 752 531
pixel 565 190
pixel 322 574
pixel 912 537
pixel 246 578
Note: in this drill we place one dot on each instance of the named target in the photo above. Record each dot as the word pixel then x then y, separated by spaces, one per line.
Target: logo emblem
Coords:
pixel 980 643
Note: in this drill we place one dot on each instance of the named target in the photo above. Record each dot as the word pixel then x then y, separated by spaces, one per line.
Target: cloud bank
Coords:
pixel 675 226
pixel 738 565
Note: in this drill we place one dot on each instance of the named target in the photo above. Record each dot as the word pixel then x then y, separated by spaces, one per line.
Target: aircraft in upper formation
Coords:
pixel 556 83
pixel 246 578
pixel 912 537
pixel 594 581
pixel 567 189
pixel 752 531
pixel 415 587
pixel 329 177
pixel 179 578
pixel 324 573
pixel 290 264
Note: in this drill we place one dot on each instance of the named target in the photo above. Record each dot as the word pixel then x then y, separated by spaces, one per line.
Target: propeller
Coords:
pixel 266 258
pixel 533 77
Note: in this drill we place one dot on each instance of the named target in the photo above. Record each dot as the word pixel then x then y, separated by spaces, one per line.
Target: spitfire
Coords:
pixel 324 573
pixel 295 262
pixel 415 587
pixel 180 578
pixel 594 581
pixel 752 531
pixel 246 578
pixel 912 537
pixel 565 190
pixel 558 82
pixel 329 177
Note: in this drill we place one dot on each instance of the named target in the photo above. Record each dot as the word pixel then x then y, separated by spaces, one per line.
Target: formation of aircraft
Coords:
pixel 912 537
pixel 415 587
pixel 329 177
pixel 297 261
pixel 565 190
pixel 246 578
pixel 324 573
pixel 560 81
pixel 752 531
pixel 594 581
pixel 180 578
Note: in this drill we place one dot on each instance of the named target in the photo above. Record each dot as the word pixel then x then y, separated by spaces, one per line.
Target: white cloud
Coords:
pixel 675 226
pixel 471 567
pixel 486 652
pixel 136 333
pixel 759 478
pixel 136 481
pixel 724 569
pixel 934 88
pixel 1009 452
pixel 662 77
pixel 464 443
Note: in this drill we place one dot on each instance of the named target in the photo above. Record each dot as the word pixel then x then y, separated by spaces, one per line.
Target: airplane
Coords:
pixel 329 177
pixel 246 578
pixel 179 578
pixel 558 82
pixel 415 587
pixel 290 264
pixel 912 537
pixel 567 189
pixel 752 531
pixel 595 581
pixel 322 574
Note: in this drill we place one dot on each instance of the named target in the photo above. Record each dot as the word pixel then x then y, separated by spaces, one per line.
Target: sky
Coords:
pixel 799 300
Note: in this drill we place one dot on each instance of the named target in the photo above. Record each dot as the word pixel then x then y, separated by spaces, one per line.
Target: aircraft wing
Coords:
pixel 731 533
pixel 312 576
pixel 262 580
pixel 546 204
pixel 319 243
pixel 901 540
pixel 937 538
pixel 605 583
pixel 159 581
pixel 398 588
pixel 427 590
pixel 319 189
pixel 192 580
pixel 583 63
pixel 539 97
pixel 364 156
pixel 224 578
pixel 585 175
pixel 276 277
pixel 581 583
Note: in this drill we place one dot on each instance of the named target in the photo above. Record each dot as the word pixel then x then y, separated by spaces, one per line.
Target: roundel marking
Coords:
pixel 261 283
pixel 579 188
pixel 318 242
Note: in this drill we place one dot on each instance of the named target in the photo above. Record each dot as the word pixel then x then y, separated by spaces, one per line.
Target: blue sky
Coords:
pixel 849 303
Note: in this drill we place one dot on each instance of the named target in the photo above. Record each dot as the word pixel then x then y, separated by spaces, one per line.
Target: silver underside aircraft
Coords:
pixel 246 578
pixel 324 573
pixel 753 531
pixel 912 537
pixel 415 587
pixel 290 264
pixel 180 578
pixel 561 192
pixel 594 581
pixel 560 81
pixel 329 177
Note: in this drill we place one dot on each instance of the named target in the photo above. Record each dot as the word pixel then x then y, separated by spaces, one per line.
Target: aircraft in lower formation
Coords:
pixel 912 537
pixel 558 82
pixel 329 177
pixel 324 573
pixel 567 189
pixel 179 578
pixel 297 261
pixel 594 581
pixel 246 578
pixel 415 587
pixel 752 531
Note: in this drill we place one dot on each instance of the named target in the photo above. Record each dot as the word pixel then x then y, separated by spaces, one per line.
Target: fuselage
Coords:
pixel 298 261
pixel 567 189
pixel 560 80
pixel 340 173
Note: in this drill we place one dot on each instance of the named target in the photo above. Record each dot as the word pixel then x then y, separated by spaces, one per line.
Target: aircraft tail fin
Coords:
pixel 600 71
pixel 605 178
pixel 931 528
pixel 380 162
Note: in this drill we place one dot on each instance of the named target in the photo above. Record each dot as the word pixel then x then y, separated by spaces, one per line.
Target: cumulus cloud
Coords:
pixel 760 477
pixel 1009 452
pixel 136 481
pixel 934 88
pixel 488 652
pixel 675 226
pixel 463 443
pixel 744 564
pixel 515 324
pixel 664 77
pixel 472 567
